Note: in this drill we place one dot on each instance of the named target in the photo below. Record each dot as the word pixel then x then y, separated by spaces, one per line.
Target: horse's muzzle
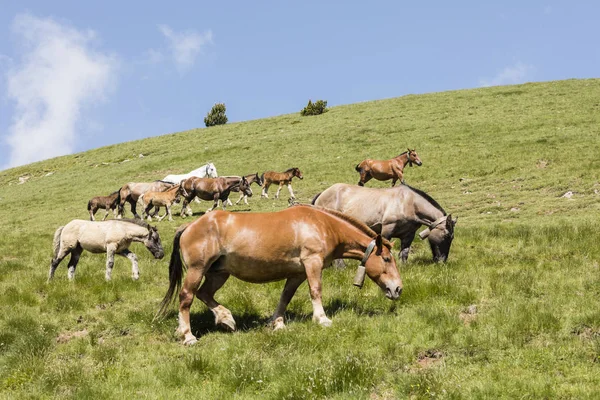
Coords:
pixel 158 255
pixel 393 294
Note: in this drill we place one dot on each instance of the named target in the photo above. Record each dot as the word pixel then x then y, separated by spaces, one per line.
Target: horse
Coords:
pixel 252 178
pixel 112 237
pixel 394 213
pixel 132 191
pixel 295 244
pixel 105 202
pixel 210 189
pixel 160 199
pixel 206 171
pixel 281 178
pixel 383 170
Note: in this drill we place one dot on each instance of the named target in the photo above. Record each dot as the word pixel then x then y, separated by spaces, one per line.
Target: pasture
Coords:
pixel 514 313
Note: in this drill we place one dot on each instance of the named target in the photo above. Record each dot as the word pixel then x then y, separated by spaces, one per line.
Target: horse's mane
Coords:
pixel 136 221
pixel 167 182
pixel 401 154
pixel 361 226
pixel 427 197
pixel 113 193
pixel 290 169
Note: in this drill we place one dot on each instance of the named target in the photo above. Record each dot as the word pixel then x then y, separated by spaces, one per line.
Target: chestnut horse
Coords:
pixel 109 202
pixel 132 191
pixel 160 199
pixel 281 178
pixel 383 170
pixel 394 213
pixel 210 189
pixel 293 244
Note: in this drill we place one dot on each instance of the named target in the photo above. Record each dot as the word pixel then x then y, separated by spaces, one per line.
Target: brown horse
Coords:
pixel 160 199
pixel 132 191
pixel 293 244
pixel 394 213
pixel 281 178
pixel 252 178
pixel 383 170
pixel 210 189
pixel 105 202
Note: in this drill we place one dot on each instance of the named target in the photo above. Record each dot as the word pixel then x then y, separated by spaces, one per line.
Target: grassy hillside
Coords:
pixel 514 313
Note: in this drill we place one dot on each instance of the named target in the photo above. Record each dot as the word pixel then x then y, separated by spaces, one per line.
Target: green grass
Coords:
pixel 498 158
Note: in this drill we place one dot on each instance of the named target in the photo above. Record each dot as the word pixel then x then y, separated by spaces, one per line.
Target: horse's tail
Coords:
pixel 176 268
pixel 357 168
pixel 56 241
pixel 89 205
pixel 262 178
pixel 314 200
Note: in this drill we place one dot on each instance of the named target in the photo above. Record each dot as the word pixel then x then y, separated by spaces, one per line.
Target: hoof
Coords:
pixel 278 324
pixel 228 324
pixel 325 322
pixel 190 341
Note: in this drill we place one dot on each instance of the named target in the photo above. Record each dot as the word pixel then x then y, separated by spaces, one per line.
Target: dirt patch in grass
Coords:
pixel 469 315
pixel 586 332
pixel 430 358
pixel 67 336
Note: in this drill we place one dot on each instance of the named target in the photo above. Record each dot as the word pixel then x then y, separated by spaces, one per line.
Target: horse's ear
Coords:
pixel 378 241
pixel 454 221
pixel 408 150
pixel 449 222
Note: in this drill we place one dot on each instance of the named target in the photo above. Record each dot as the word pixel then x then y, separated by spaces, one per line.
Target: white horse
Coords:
pixel 206 171
pixel 112 237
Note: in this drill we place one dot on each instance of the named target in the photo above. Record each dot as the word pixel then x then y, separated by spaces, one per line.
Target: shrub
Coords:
pixel 216 116
pixel 316 108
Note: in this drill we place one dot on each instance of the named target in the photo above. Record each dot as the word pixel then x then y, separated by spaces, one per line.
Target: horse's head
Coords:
pixel 413 157
pixel 153 244
pixel 297 173
pixel 440 235
pixel 381 268
pixel 245 187
pixel 211 170
pixel 258 180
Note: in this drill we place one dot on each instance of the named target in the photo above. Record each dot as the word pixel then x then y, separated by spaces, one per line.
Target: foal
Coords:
pixel 109 202
pixel 281 178
pixel 252 178
pixel 383 170
pixel 160 199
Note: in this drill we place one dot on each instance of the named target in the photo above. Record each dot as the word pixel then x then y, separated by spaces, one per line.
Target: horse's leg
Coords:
pixel 135 270
pixel 240 199
pixel 184 205
pixel 115 212
pixel 169 212
pixel 278 190
pixel 291 285
pixel 147 211
pixel 405 243
pixel 264 190
pixel 229 203
pixel 63 252
pixel 394 179
pixel 133 209
pixel 191 283
pixel 289 186
pixel 156 210
pixel 73 261
pixel 212 283
pixel 106 214
pixel 92 213
pixel 110 260
pixel 314 269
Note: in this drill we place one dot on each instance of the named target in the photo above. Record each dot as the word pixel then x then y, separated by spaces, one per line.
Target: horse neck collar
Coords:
pixel 368 252
pixel 424 233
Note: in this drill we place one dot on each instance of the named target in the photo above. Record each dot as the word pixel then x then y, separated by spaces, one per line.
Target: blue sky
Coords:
pixel 76 75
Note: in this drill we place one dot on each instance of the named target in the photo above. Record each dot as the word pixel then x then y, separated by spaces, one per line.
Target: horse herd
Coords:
pixel 295 244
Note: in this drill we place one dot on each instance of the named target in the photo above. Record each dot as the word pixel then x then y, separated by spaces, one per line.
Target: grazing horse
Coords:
pixel 394 213
pixel 109 202
pixel 281 178
pixel 160 199
pixel 293 244
pixel 206 171
pixel 382 170
pixel 132 191
pixel 112 237
pixel 210 189
pixel 252 178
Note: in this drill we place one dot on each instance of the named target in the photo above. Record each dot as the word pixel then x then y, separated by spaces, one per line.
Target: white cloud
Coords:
pixel 186 46
pixel 509 76
pixel 58 74
pixel 153 56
